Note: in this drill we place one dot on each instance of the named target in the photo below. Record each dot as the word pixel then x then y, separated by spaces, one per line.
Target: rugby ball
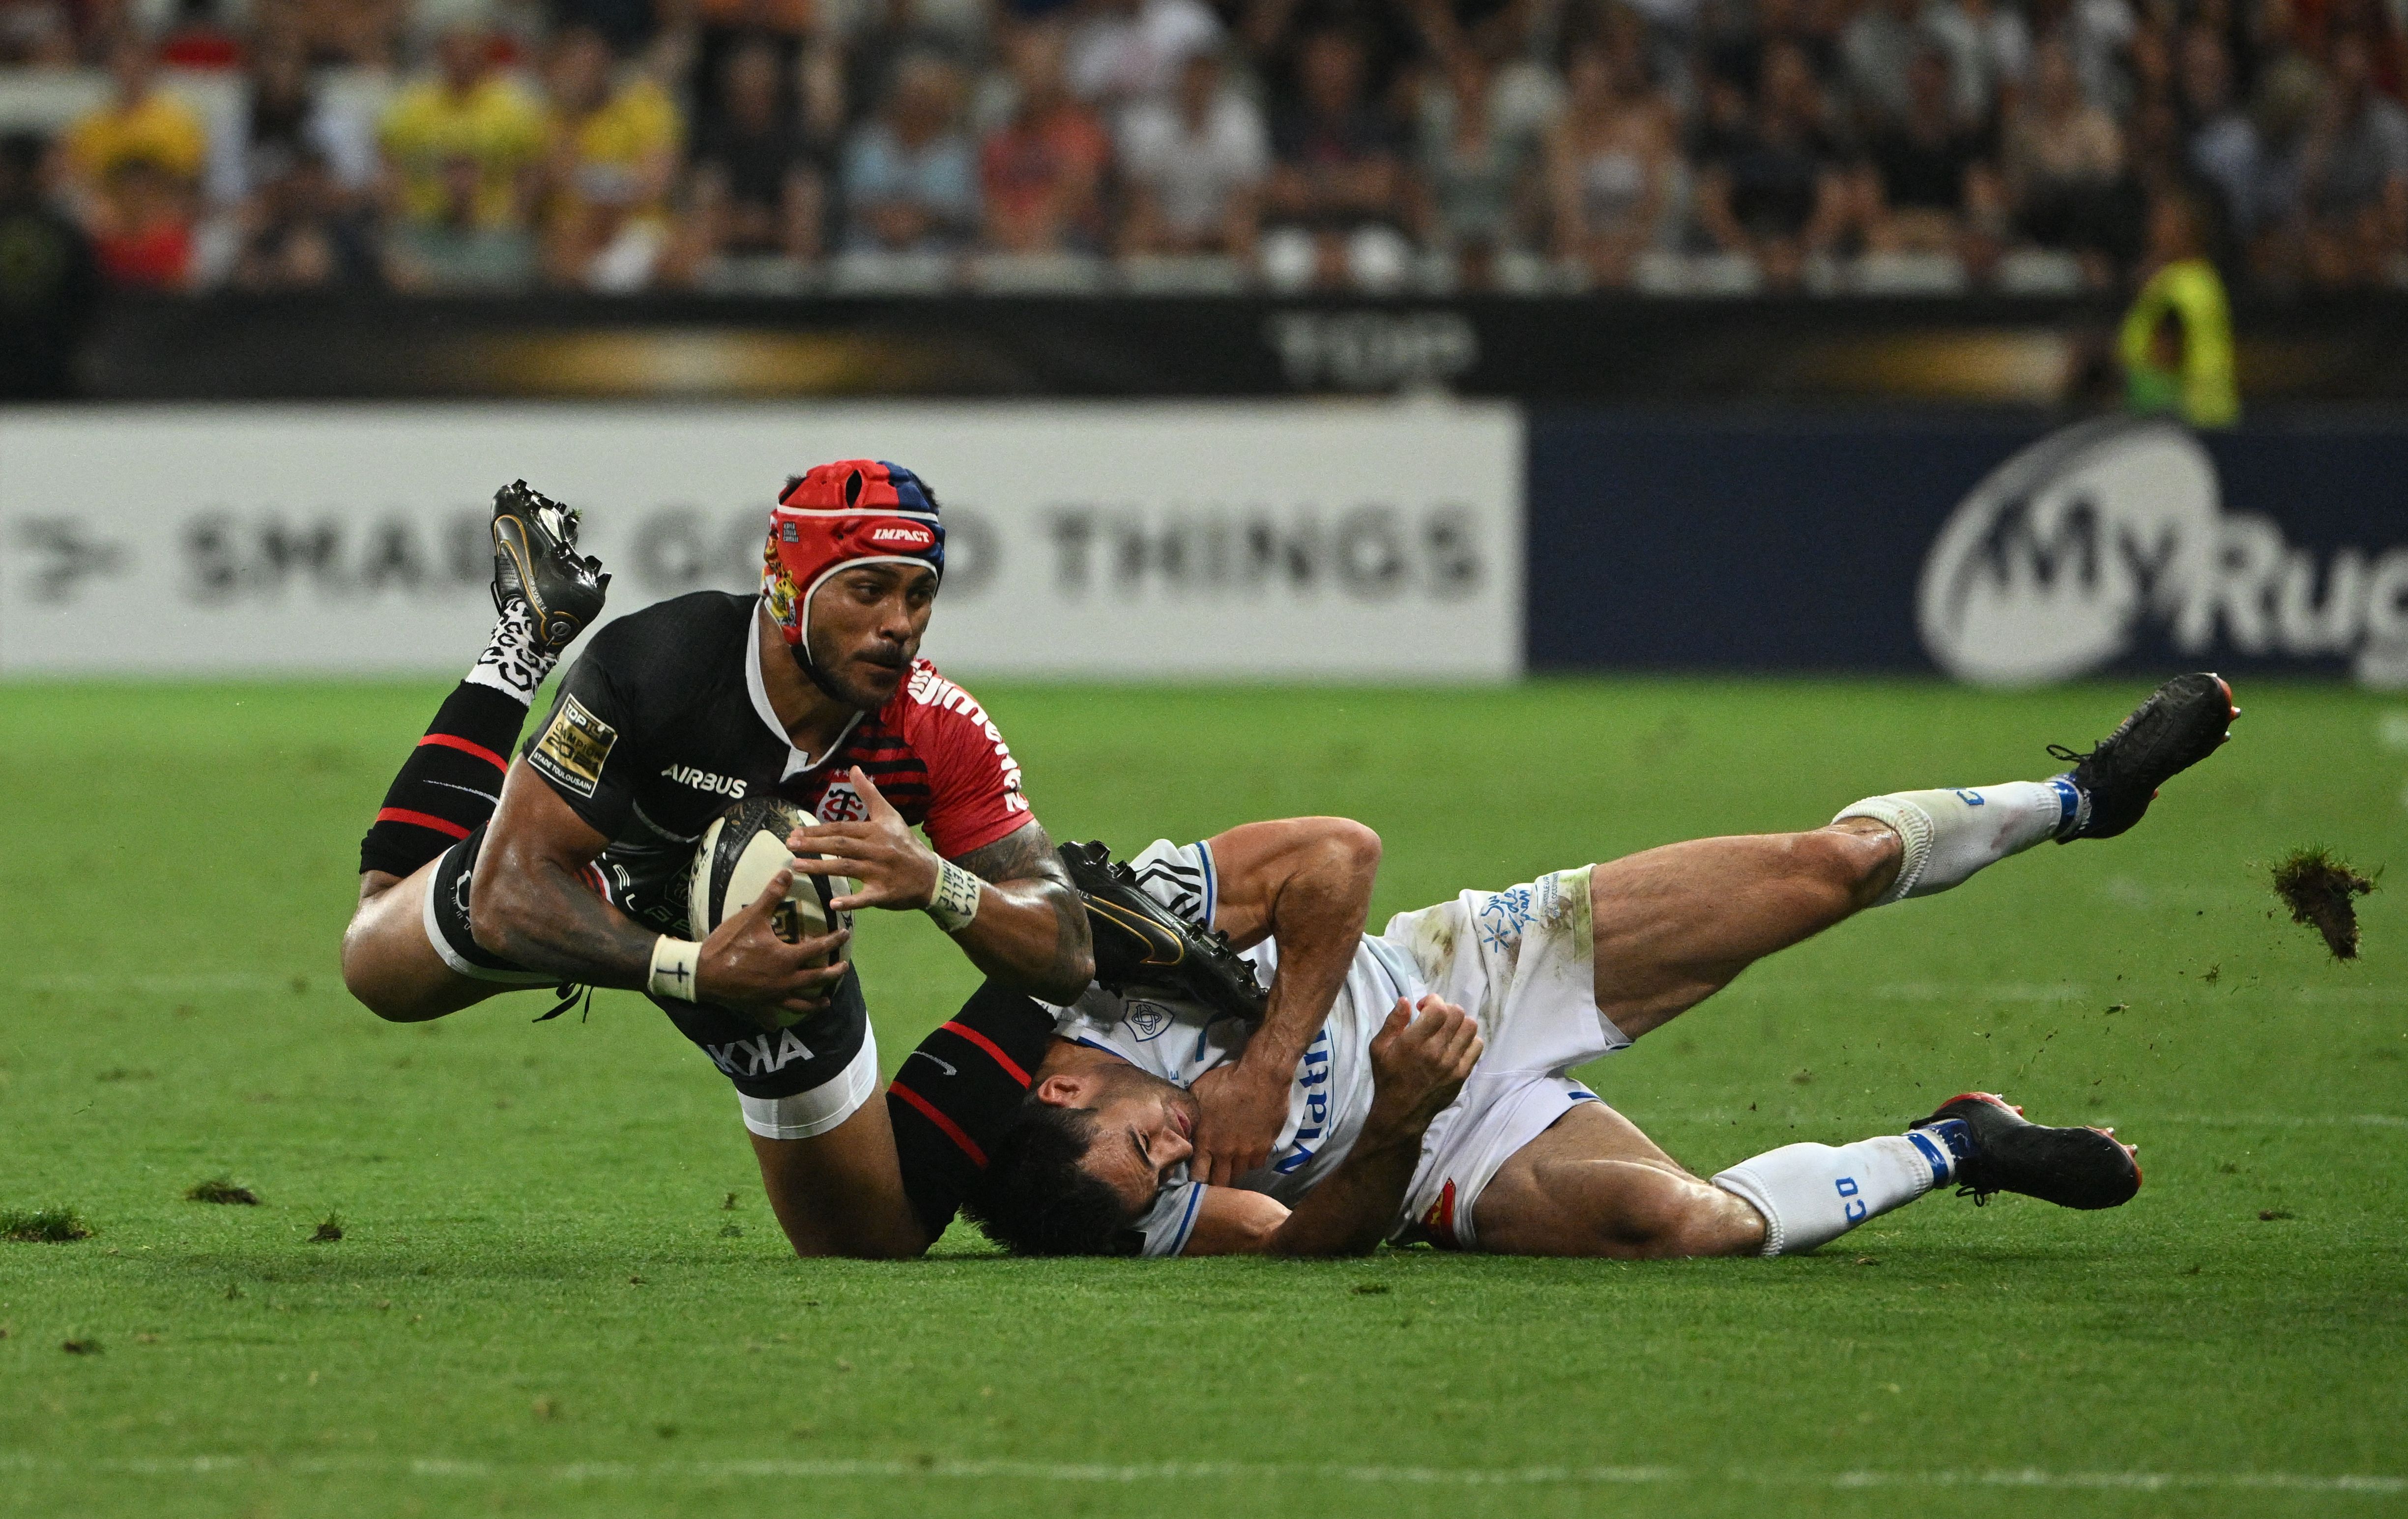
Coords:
pixel 739 852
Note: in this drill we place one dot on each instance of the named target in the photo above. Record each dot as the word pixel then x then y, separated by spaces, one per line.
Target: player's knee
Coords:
pixel 1664 1215
pixel 376 992
pixel 1849 859
pixel 1352 845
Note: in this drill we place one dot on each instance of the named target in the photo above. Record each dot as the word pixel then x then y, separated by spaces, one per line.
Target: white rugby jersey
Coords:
pixel 1180 1042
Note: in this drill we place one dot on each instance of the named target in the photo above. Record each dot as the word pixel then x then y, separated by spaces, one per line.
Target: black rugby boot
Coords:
pixel 1998 1150
pixel 536 561
pixel 2182 723
pixel 1142 946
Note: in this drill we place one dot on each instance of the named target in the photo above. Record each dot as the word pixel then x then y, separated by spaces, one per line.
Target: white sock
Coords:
pixel 509 664
pixel 1951 834
pixel 1811 1194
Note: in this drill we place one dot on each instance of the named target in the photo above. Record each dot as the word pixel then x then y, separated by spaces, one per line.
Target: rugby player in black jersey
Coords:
pixel 571 870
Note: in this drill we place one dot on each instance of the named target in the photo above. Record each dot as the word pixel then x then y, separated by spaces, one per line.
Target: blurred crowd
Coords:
pixel 1377 144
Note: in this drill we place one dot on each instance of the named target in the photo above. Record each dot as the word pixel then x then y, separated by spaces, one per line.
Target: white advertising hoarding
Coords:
pixel 1359 541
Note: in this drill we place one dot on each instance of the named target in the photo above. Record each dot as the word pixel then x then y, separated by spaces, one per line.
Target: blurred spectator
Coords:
pixel 719 28
pixel 1040 174
pixel 1124 50
pixel 1337 192
pixel 1610 161
pixel 612 154
pixel 469 115
pixel 760 179
pixel 2354 176
pixel 461 153
pixel 2176 341
pixel 300 231
pixel 627 25
pixel 1989 48
pixel 457 249
pixel 2096 34
pixel 1737 55
pixel 1876 49
pixel 1479 182
pixel 1774 189
pixel 140 121
pixel 910 181
pixel 142 225
pixel 2224 147
pixel 38 34
pixel 2064 166
pixel 280 118
pixel 360 33
pixel 1194 164
pixel 49 281
pixel 1931 186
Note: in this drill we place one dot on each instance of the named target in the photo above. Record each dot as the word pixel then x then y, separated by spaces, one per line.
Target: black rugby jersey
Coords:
pixel 663 721
pixel 956 1092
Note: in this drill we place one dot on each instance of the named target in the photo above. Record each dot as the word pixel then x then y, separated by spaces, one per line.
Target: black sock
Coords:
pixel 450 783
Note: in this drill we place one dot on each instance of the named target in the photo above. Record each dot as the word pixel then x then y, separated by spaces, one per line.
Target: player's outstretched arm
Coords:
pixel 531 903
pixel 1308 881
pixel 1419 1061
pixel 1009 905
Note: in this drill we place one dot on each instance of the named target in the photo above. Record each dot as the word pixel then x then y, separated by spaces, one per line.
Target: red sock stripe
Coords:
pixel 465 746
pixel 980 1039
pixel 423 820
pixel 952 1130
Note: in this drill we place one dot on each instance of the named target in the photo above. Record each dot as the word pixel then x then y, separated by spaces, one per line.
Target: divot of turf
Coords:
pixel 329 1230
pixel 43 1226
pixel 221 1189
pixel 2320 891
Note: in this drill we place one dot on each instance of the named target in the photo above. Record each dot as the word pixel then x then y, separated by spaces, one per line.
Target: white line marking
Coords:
pixel 1181 1471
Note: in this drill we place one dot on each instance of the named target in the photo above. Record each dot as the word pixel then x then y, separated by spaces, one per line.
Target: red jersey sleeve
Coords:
pixel 974 797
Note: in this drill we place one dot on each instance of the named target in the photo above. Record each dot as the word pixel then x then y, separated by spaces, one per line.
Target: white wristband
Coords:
pixel 674 964
pixel 957 898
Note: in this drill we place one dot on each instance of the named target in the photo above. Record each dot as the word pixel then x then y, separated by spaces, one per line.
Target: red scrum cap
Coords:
pixel 853 512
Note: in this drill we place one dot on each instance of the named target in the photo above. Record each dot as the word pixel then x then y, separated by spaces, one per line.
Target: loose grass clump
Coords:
pixel 43 1226
pixel 2321 892
pixel 221 1189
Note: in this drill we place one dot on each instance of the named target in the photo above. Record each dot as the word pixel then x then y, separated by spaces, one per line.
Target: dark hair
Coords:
pixel 1034 1200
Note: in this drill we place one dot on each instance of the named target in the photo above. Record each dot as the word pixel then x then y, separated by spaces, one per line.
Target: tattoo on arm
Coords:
pixel 1025 857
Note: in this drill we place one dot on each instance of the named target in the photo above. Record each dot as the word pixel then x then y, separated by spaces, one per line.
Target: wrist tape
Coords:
pixel 674 964
pixel 956 901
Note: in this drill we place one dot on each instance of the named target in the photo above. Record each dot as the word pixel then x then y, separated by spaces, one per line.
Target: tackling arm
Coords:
pixel 1419 1061
pixel 1307 880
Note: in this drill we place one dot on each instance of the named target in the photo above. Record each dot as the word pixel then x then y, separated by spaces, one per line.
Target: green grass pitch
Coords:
pixel 558 1290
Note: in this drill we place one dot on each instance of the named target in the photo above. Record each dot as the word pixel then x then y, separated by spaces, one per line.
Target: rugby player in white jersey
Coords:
pixel 482 875
pixel 1093 1158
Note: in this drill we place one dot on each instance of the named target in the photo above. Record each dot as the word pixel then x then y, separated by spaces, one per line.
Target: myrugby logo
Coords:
pixel 2074 550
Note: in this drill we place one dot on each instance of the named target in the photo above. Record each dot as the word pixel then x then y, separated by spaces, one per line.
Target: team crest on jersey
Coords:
pixel 841 803
pixel 575 746
pixel 1148 1019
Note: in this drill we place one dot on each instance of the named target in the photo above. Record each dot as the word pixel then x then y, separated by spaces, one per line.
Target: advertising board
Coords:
pixel 1136 541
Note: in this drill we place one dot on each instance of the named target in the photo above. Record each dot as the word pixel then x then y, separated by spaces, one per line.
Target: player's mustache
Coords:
pixel 886 655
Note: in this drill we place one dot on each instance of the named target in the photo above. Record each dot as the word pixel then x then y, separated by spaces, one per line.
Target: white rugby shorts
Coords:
pixel 1523 963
